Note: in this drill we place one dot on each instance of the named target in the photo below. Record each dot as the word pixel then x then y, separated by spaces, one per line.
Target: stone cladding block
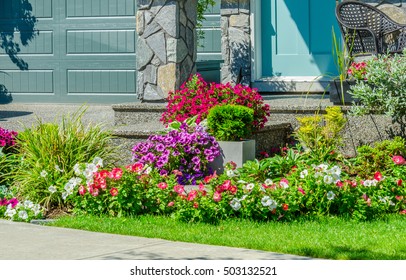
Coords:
pixel 167 48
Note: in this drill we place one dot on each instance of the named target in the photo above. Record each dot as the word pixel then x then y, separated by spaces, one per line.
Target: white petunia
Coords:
pixel 249 187
pixel 241 182
pixel 235 204
pixel 43 173
pixel 36 209
pixel 328 179
pixel 266 201
pixel 336 170
pixel 318 174
pixel 77 169
pixel 304 174
pixel 268 182
pixel 65 195
pixel 322 167
pixel 367 183
pixel 272 205
pixel 374 182
pixel 28 204
pixel 23 215
pixel 75 181
pixel 331 195
pixel 52 189
pixel 98 161
pixel 10 212
pixel 230 173
pixel 91 167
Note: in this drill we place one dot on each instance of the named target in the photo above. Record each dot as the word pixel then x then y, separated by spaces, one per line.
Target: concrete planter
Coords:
pixel 337 93
pixel 238 152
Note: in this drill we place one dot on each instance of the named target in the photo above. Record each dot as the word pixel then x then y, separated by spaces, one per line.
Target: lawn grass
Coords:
pixel 328 238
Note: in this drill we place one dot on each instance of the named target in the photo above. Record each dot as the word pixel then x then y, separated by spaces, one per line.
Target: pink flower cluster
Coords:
pixel 358 70
pixel 12 201
pixel 7 137
pixel 195 100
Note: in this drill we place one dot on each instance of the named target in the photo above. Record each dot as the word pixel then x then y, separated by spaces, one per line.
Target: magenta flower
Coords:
pixel 398 160
pixel 217 196
pixel 162 185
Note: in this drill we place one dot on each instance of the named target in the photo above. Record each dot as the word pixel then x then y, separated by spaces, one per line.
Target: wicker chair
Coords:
pixel 367 30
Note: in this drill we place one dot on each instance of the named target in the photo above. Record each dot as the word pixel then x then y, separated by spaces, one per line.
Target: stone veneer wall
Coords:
pixel 236 41
pixel 166 47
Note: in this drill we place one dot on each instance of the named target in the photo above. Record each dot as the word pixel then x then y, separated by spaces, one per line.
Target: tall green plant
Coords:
pixel 342 58
pixel 48 152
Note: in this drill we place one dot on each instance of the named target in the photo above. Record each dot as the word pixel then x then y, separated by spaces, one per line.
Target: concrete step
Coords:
pixel 136 121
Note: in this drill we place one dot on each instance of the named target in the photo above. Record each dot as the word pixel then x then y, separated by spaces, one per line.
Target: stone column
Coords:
pixel 166 47
pixel 236 41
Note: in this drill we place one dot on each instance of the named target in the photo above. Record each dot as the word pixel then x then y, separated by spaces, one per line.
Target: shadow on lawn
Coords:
pixel 348 253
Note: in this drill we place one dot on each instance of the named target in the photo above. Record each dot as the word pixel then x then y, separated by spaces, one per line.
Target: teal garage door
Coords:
pixel 85 52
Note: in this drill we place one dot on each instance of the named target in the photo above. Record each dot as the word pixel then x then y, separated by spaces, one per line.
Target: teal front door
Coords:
pixel 297 37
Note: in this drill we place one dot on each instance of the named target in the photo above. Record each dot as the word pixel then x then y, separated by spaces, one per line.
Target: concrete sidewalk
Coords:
pixel 23 241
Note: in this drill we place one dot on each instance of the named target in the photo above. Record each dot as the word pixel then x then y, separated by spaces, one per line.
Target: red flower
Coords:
pixel 378 176
pixel 114 191
pixel 192 195
pixel 398 160
pixel 399 182
pixel 195 205
pixel 285 207
pixel 162 185
pixel 233 189
pixel 301 190
pixel 116 173
pixel 339 184
pixel 136 167
pixel 82 190
pixel 403 212
pixel 170 204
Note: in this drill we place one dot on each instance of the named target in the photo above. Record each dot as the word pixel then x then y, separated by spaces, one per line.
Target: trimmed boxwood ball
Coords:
pixel 230 122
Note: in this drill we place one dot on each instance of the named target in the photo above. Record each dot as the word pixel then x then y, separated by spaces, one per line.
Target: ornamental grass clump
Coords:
pixel 196 97
pixel 47 153
pixel 187 150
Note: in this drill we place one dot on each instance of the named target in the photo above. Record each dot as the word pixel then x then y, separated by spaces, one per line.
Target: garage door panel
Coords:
pixel 29 82
pixel 100 8
pixel 100 41
pixel 101 81
pixel 42 8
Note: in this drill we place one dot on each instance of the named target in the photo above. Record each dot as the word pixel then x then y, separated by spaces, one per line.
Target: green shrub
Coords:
pixel 320 134
pixel 379 156
pixel 230 122
pixel 47 153
pixel 384 91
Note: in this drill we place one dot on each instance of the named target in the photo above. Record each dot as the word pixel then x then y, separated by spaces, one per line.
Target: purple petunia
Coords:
pixel 187 149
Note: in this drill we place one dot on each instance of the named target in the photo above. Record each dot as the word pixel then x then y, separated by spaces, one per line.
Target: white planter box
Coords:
pixel 238 152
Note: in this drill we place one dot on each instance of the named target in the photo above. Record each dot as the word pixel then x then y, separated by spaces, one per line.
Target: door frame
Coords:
pixel 280 83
